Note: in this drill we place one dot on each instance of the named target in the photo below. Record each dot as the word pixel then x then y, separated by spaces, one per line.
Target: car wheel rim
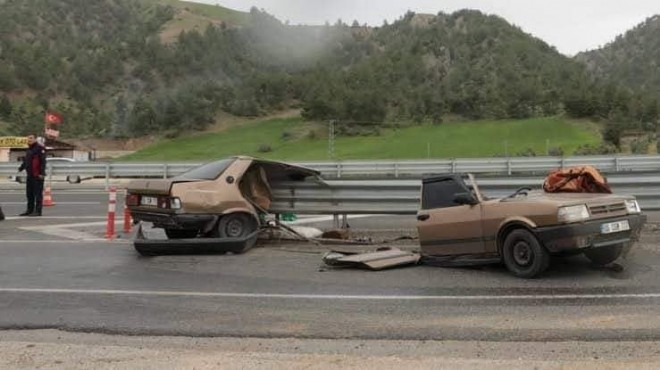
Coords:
pixel 522 254
pixel 234 228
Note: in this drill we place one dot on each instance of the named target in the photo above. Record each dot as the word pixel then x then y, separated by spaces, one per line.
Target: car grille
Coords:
pixel 606 209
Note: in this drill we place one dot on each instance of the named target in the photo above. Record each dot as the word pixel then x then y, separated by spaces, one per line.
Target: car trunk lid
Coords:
pixel 153 186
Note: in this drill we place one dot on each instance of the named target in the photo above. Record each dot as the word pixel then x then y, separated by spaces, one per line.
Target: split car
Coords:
pixel 458 225
pixel 217 207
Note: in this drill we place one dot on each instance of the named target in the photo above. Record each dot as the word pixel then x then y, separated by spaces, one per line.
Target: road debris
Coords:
pixel 382 258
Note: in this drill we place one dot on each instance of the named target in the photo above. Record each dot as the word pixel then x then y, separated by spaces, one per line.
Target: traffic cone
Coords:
pixel 48 199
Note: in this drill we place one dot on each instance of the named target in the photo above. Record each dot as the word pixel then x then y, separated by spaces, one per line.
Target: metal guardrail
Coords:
pixel 630 175
pixel 402 196
pixel 376 169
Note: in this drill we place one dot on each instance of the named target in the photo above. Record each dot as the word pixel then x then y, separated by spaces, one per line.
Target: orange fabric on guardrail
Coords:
pixel 583 179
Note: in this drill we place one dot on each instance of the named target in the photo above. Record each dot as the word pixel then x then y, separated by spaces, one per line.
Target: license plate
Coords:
pixel 613 227
pixel 149 201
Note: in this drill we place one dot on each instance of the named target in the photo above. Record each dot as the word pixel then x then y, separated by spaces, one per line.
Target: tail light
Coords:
pixel 163 202
pixel 132 200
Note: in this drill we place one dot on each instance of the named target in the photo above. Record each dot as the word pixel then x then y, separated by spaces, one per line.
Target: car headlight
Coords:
pixel 632 206
pixel 573 213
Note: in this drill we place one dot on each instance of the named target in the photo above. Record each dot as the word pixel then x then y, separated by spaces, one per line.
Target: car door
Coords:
pixel 445 226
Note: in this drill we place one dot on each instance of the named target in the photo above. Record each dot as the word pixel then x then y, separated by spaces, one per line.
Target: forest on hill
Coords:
pixel 113 69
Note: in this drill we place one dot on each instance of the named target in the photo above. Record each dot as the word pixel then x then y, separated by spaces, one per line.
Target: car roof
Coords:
pixel 444 176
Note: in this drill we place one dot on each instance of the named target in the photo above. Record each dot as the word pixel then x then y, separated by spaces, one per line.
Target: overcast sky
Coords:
pixel 569 25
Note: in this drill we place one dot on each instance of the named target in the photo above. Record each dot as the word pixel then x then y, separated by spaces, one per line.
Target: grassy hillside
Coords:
pixel 631 59
pixel 289 139
pixel 191 16
pixel 132 68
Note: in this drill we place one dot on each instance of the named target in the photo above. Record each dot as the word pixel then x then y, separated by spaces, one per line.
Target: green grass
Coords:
pixel 215 11
pixel 196 16
pixel 450 140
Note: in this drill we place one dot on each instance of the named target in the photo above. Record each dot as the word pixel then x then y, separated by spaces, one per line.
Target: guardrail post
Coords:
pixel 508 166
pixel 453 166
pixel 339 170
pixel 562 163
pixel 344 221
pixel 107 176
pixel 617 165
pixel 396 170
pixel 335 220
pixel 165 170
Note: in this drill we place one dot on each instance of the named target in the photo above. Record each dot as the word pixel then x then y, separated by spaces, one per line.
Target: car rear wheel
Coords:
pixel 604 255
pixel 236 225
pixel 523 255
pixel 180 234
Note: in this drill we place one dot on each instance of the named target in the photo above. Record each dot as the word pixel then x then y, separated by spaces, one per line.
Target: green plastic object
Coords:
pixel 289 217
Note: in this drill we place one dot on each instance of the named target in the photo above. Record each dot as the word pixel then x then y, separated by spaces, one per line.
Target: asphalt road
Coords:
pixel 58 272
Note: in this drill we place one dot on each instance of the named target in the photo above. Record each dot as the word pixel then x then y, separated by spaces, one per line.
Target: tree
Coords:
pixel 5 108
pixel 612 133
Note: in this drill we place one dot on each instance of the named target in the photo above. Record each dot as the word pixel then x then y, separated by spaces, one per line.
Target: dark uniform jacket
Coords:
pixel 34 162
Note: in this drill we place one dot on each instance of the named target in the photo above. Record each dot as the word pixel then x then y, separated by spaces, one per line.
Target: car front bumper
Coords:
pixel 577 236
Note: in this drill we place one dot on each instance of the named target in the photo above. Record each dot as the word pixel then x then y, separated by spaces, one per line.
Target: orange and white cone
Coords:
pixel 112 207
pixel 48 198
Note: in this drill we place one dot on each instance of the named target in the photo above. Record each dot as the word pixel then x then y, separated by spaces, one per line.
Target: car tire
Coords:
pixel 236 225
pixel 524 255
pixel 604 255
pixel 73 179
pixel 181 234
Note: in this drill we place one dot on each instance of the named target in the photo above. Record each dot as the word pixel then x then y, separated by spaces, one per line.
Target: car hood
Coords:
pixel 562 199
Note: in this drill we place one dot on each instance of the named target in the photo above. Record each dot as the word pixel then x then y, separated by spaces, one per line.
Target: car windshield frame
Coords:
pixel 208 171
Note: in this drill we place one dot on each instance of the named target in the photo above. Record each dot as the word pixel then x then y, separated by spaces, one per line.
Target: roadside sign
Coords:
pixel 13 142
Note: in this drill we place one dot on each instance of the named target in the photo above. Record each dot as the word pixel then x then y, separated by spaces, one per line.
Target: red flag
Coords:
pixel 53 118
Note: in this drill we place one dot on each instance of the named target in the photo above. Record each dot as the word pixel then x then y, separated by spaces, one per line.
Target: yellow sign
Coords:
pixel 13 142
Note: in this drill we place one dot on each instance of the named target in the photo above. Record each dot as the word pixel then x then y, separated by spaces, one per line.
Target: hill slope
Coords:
pixel 290 139
pixel 125 68
pixel 632 59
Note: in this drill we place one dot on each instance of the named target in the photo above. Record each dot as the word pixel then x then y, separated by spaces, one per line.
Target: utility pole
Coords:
pixel 331 139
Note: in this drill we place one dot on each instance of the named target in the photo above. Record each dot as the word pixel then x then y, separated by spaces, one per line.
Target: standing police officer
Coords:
pixel 34 164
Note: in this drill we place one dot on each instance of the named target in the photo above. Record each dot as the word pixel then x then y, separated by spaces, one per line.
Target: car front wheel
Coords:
pixel 524 255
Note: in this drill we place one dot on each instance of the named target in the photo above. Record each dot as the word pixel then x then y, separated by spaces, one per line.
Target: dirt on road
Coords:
pixel 52 349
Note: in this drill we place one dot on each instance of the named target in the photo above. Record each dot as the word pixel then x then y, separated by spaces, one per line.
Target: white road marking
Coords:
pixel 118 221
pixel 56 218
pixel 64 231
pixel 63 192
pixel 68 241
pixel 157 293
pixel 56 203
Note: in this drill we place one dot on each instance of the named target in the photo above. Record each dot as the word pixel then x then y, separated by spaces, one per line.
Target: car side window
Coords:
pixel 440 194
